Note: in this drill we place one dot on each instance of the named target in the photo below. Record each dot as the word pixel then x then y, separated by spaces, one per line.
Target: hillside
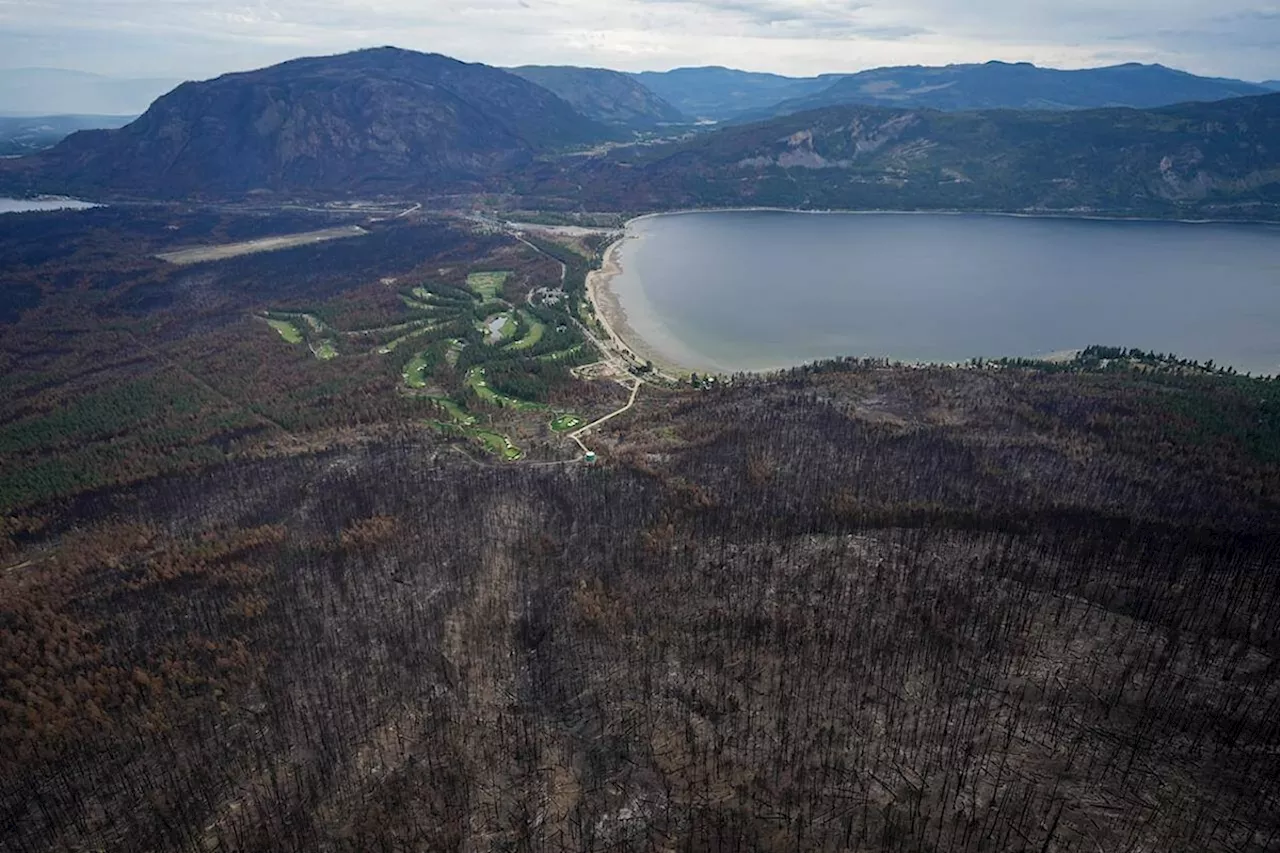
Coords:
pixel 1216 159
pixel 364 121
pixel 717 94
pixel 610 97
pixel 1000 85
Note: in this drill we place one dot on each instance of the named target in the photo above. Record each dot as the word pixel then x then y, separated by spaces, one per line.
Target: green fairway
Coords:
pixel 287 330
pixel 565 423
pixel 324 350
pixel 532 337
pixel 562 354
pixel 456 413
pixel 390 346
pixel 488 284
pixel 499 445
pixel 415 371
pixel 476 381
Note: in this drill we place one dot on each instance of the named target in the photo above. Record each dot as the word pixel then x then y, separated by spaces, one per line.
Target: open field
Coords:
pixel 203 254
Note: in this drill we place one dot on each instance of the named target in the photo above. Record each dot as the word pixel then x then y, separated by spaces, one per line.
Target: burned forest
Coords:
pixel 849 608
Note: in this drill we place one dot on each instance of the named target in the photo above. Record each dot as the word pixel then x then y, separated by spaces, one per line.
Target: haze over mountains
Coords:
pixel 606 96
pixel 389 121
pixel 57 91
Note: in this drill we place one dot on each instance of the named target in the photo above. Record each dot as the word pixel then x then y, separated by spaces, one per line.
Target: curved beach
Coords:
pixel 613 317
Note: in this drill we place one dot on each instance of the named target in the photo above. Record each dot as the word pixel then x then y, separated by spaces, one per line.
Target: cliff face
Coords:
pixel 364 121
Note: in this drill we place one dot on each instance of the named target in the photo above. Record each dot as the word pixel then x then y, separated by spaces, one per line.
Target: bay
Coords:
pixel 756 290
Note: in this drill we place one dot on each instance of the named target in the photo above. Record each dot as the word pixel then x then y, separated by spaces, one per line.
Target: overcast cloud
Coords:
pixel 186 38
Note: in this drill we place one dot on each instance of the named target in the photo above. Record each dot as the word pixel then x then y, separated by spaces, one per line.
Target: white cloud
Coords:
pixel 203 37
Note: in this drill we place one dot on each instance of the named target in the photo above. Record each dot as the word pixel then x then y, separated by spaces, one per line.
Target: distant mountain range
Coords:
pixel 610 97
pixel 717 94
pixel 55 91
pixel 1000 85
pixel 1272 84
pixel 395 122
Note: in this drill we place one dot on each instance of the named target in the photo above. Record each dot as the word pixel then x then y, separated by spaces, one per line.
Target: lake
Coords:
pixel 30 205
pixel 759 290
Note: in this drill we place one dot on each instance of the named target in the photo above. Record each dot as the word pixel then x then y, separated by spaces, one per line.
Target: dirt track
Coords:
pixel 201 254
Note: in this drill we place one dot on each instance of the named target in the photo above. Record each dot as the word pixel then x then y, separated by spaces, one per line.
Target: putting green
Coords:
pixel 565 423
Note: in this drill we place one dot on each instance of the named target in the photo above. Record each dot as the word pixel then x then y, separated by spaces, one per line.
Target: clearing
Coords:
pixel 202 254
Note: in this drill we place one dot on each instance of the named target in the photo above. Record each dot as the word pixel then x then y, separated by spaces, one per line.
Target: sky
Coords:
pixel 191 39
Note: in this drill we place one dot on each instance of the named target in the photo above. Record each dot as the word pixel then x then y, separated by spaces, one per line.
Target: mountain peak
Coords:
pixel 357 121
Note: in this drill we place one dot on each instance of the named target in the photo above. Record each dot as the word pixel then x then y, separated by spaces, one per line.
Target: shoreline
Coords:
pixel 1048 214
pixel 613 317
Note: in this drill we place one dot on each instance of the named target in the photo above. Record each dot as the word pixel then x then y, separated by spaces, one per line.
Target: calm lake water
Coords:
pixel 759 290
pixel 28 205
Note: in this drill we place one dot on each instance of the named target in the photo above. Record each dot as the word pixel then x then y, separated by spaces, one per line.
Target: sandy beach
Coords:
pixel 613 317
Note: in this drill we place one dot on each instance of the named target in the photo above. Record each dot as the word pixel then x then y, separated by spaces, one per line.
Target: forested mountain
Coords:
pixel 1272 84
pixel 1001 85
pixel 606 96
pixel 374 119
pixel 57 91
pixel 398 122
pixel 36 133
pixel 716 93
pixel 1215 159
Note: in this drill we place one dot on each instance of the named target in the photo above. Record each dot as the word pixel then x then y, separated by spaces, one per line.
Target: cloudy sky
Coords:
pixel 198 38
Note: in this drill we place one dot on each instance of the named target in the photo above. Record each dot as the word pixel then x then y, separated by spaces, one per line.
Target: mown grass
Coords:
pixel 324 350
pixel 566 423
pixel 287 330
pixel 533 337
pixel 488 284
